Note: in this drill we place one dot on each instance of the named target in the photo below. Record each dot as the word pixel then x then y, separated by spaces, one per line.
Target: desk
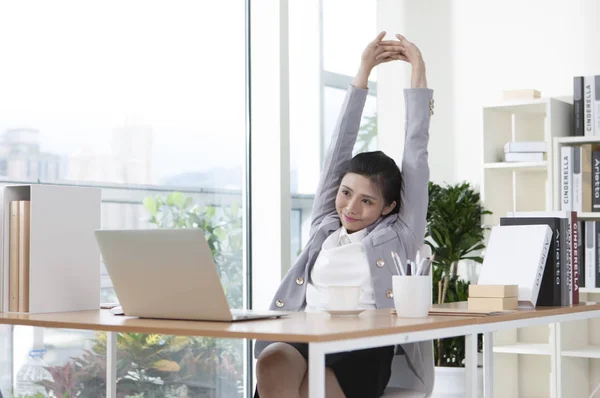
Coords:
pixel 323 334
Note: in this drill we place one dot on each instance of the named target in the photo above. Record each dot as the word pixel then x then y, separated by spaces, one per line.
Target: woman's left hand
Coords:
pixel 375 54
pixel 410 53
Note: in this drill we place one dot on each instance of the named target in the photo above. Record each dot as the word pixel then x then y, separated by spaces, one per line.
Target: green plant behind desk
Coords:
pixel 455 233
pixel 223 233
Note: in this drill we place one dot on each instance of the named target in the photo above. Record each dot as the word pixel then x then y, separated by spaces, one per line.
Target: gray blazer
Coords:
pixel 403 232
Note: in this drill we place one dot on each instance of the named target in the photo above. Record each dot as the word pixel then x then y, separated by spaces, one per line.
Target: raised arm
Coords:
pixel 345 133
pixel 338 154
pixel 415 164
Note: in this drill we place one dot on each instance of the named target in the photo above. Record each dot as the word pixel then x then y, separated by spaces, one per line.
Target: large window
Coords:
pixel 146 99
pixel 319 78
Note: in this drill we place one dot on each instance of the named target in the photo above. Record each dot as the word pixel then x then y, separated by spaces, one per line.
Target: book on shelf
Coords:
pixel 580 177
pixel 591 105
pixel 595 178
pixel 566 177
pixel 19 235
pixel 13 255
pixel 592 259
pixel 578 129
pixel 580 236
pixel 517 255
pixel 572 250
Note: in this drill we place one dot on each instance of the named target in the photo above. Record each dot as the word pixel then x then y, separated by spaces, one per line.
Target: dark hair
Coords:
pixel 383 171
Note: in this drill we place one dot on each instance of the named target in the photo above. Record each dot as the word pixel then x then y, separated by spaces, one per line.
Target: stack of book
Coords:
pixel 18 288
pixel 525 151
pixel 493 297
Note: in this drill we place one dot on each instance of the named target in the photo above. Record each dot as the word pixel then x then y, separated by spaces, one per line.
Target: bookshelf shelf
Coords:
pixel 538 106
pixel 578 140
pixel 590 351
pixel 524 349
pixel 540 166
pixel 595 290
pixel 588 216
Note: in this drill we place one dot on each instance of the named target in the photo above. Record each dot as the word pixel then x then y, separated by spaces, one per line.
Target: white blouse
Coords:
pixel 342 261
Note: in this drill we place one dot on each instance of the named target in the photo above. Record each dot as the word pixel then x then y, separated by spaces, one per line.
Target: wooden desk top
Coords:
pixel 298 327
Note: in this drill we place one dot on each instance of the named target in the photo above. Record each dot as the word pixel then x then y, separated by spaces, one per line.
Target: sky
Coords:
pixel 78 70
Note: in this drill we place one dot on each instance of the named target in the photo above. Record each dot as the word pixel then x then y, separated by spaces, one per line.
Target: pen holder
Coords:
pixel 412 295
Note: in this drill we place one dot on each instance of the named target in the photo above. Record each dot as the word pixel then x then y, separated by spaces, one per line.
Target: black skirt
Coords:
pixel 360 373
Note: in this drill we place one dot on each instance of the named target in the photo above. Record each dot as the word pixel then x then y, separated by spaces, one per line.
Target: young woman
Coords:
pixel 364 208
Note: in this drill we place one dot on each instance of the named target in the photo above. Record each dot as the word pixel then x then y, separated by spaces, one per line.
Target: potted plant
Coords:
pixel 454 233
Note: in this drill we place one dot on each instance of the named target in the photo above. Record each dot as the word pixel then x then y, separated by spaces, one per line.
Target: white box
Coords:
pixel 524 157
pixel 64 261
pixel 525 146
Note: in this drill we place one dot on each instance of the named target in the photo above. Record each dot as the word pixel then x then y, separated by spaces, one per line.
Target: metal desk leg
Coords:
pixel 111 365
pixel 488 365
pixel 316 371
pixel 471 387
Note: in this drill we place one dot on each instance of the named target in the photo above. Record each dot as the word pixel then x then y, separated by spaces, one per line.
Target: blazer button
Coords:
pixel 279 303
pixel 299 281
pixel 431 106
pixel 389 294
pixel 380 263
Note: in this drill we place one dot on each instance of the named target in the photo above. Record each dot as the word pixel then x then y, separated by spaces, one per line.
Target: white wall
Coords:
pixel 474 49
pixel 416 20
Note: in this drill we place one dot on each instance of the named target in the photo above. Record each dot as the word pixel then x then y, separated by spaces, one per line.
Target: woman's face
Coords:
pixel 359 202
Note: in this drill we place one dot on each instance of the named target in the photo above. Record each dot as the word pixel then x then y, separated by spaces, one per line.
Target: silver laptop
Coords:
pixel 167 274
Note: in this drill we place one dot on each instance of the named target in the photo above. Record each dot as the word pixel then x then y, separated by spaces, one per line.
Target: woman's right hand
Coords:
pixel 375 54
pixel 410 54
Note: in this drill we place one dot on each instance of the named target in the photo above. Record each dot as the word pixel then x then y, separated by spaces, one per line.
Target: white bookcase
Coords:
pixel 520 186
pixel 577 343
pixel 64 261
pixel 527 357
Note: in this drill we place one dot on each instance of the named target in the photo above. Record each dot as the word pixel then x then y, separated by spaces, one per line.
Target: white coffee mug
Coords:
pixel 343 298
pixel 412 295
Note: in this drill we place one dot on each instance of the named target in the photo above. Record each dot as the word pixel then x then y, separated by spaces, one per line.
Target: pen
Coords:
pixel 398 263
pixel 421 266
pixel 427 266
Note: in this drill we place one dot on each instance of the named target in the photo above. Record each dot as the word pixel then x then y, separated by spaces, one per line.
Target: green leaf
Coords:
pixel 475 258
pixel 176 199
pixel 151 206
pixel 210 211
